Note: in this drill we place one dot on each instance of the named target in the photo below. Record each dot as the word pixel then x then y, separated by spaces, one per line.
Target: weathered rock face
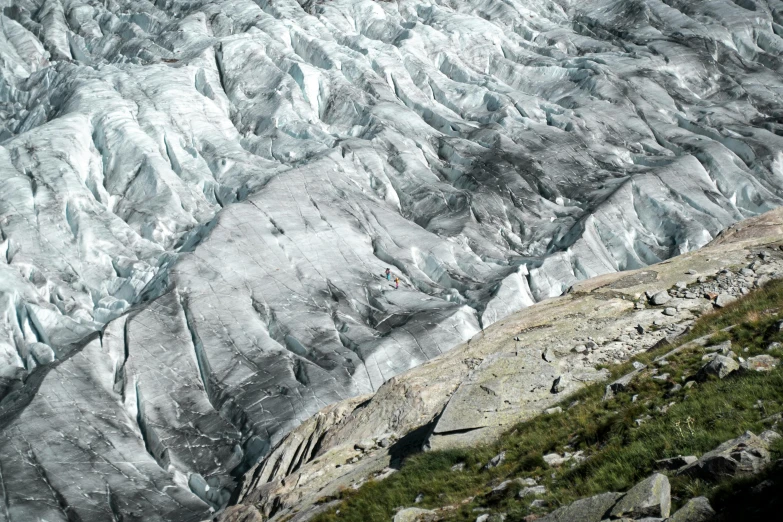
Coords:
pixel 720 366
pixel 592 509
pixel 760 363
pixel 695 510
pixel 649 498
pixel 745 455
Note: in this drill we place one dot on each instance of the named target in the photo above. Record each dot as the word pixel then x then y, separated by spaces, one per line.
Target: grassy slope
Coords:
pixel 620 452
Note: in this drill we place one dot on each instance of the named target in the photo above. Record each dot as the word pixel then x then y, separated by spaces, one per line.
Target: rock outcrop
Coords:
pixel 476 391
pixel 695 510
pixel 591 509
pixel 748 454
pixel 649 498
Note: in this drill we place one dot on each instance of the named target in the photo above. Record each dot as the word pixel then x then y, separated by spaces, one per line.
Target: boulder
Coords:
pixel 412 515
pixel 591 509
pixel 670 311
pixel 559 384
pixel 622 383
pixel 532 490
pixel 720 367
pixel 364 445
pixel 769 436
pixel 554 460
pixel 496 461
pixel 649 498
pixel 500 489
pixel 660 298
pixel 695 510
pixel 675 463
pixel 724 300
pixel 723 348
pixel 745 455
pixel 548 355
pixel 760 363
pixel 242 513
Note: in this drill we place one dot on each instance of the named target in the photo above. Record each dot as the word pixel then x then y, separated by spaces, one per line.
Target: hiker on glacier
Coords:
pixel 396 282
pixel 388 274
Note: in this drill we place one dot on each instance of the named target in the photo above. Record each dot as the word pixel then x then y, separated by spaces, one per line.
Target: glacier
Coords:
pixel 198 200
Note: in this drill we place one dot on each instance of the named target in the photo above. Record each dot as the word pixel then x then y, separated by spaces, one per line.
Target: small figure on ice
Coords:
pixel 396 282
pixel 388 274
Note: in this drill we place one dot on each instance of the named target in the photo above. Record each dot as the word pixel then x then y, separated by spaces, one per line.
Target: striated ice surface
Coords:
pixel 198 200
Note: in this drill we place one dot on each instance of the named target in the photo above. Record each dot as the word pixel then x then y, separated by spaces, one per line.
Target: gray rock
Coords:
pixel 745 455
pixel 384 442
pixel 660 298
pixel 591 509
pixel 412 514
pixel 496 461
pixel 760 363
pixel 675 463
pixel 418 498
pixel 559 384
pixel 580 348
pixel 649 498
pixel 548 355
pixel 681 285
pixel 724 300
pixel 365 445
pixel 642 420
pixel 538 503
pixel 774 346
pixel 622 383
pixel 554 459
pixel 720 367
pixel 747 272
pixel 762 486
pixel 769 436
pixel 661 377
pixel 532 490
pixel 670 311
pixel 695 510
pixel 761 281
pixel 458 467
pixel 674 389
pixel 529 482
pixel 723 348
pixel 552 411
pixel 501 488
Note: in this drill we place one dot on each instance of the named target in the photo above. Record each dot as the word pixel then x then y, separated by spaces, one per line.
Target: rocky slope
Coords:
pixel 514 370
pixel 198 199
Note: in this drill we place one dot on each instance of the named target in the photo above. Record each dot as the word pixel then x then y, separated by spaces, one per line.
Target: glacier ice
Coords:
pixel 198 200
